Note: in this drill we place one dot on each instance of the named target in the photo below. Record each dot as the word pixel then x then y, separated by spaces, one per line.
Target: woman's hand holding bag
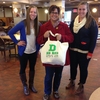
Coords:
pixel 54 52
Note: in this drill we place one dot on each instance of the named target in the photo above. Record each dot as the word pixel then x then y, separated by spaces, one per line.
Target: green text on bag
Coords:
pixel 52 51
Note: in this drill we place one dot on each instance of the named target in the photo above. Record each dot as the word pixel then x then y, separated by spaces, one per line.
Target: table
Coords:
pixel 95 95
pixel 8 39
pixel 5 27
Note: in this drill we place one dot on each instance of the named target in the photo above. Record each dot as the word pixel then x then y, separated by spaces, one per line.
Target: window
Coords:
pixel 67 17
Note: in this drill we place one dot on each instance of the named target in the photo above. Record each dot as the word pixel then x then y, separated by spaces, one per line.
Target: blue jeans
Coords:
pixel 53 75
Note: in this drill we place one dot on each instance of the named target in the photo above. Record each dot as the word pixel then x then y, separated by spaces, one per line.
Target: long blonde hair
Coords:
pixel 89 17
pixel 27 21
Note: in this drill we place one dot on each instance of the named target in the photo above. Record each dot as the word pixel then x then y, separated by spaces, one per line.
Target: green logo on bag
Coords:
pixel 52 47
pixel 52 51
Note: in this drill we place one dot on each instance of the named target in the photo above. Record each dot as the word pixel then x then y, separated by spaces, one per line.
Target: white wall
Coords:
pixel 8 12
pixel 42 15
pixel 1 12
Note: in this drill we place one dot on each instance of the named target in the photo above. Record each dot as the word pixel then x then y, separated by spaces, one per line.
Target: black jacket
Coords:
pixel 85 39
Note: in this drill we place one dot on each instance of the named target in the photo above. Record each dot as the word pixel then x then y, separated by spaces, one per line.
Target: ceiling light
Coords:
pixel 94 10
pixel 46 11
pixel 15 10
pixel 46 4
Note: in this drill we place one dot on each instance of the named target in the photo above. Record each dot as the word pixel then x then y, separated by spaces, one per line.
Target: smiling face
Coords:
pixel 82 11
pixel 54 15
pixel 33 13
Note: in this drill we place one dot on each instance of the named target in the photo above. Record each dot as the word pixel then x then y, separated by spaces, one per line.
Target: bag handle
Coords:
pixel 54 35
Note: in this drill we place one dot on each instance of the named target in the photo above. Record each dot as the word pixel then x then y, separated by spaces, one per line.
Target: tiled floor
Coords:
pixel 11 87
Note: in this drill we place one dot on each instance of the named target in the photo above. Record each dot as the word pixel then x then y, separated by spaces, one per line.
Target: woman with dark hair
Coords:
pixel 27 46
pixel 85 31
pixel 54 72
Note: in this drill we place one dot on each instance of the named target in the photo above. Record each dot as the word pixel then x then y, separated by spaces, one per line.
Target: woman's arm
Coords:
pixel 14 30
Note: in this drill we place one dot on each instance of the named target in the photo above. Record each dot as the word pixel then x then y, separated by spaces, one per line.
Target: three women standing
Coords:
pixel 84 29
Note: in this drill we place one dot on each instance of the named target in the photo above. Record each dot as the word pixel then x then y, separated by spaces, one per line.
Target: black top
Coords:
pixel 88 36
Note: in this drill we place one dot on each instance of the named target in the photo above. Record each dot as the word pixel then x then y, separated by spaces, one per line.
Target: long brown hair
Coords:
pixel 27 21
pixel 89 17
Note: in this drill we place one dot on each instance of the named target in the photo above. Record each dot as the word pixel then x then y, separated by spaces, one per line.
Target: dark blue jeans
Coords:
pixel 53 75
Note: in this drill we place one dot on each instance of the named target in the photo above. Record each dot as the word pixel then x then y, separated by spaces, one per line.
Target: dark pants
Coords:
pixel 80 59
pixel 53 75
pixel 24 60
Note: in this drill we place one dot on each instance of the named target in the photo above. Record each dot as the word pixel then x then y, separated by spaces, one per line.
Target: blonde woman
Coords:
pixel 85 30
pixel 27 46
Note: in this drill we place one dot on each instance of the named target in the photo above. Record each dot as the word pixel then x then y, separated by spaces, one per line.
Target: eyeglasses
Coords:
pixel 54 12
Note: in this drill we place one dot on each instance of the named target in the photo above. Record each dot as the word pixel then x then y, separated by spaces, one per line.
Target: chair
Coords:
pixel 6 30
pixel 2 31
pixel 6 45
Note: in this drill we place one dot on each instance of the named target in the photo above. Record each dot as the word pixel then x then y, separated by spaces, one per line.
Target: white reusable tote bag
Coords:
pixel 54 52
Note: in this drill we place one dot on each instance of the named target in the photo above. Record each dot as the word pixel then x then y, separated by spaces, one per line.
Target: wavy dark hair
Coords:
pixel 53 7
